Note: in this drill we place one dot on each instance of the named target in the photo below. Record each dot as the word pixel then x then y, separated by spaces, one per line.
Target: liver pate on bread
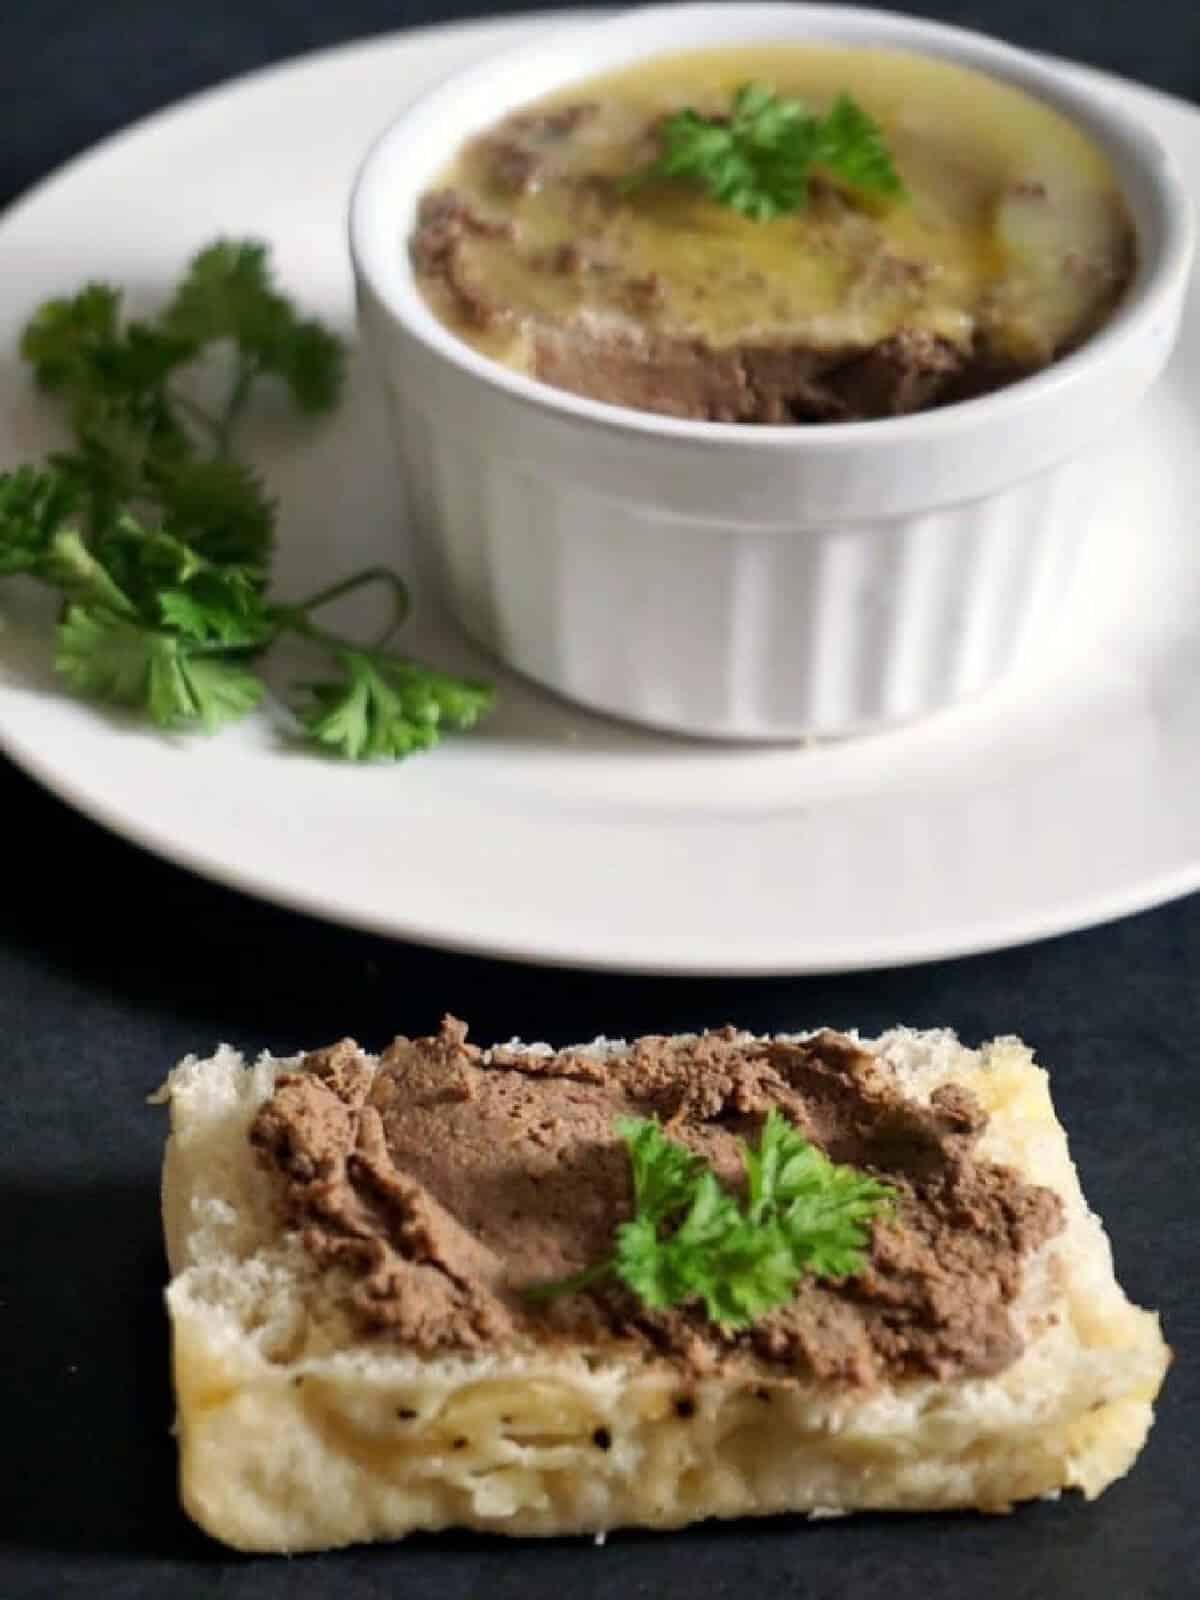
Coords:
pixel 355 1356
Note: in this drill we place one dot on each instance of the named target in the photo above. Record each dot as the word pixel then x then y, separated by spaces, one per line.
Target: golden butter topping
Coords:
pixel 1015 239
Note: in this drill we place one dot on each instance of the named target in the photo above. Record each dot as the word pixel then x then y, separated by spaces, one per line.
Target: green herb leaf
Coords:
pixel 106 656
pixel 112 379
pixel 664 1173
pixel 211 690
pixel 159 538
pixel 142 560
pixel 760 157
pixel 216 505
pixel 384 706
pixel 851 145
pixel 67 338
pixel 220 606
pixel 229 293
pixel 690 1239
pixel 33 506
pixel 74 568
pixel 823 1209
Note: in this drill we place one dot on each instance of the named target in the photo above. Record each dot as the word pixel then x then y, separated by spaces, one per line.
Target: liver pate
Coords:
pixel 764 384
pixel 450 1179
pixel 1014 247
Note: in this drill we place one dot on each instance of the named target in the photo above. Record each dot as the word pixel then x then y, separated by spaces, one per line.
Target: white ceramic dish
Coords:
pixel 552 835
pixel 752 582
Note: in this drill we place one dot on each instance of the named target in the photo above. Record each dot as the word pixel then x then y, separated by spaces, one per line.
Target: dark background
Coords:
pixel 112 965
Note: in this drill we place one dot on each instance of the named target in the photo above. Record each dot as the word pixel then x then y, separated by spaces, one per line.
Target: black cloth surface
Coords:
pixel 112 965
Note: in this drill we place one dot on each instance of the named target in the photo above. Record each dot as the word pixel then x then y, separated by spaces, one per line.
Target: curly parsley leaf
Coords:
pixel 690 1239
pixel 386 706
pixel 73 567
pixel 209 689
pixel 220 606
pixel 33 506
pixel 851 145
pixel 111 378
pixel 715 1254
pixel 105 656
pixel 67 339
pixel 218 506
pixel 110 657
pixel 664 1173
pixel 142 559
pixel 229 293
pixel 760 157
pixel 358 717
pixel 822 1208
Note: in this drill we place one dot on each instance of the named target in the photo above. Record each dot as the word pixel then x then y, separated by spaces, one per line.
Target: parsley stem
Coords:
pixel 295 618
pixel 239 394
pixel 335 591
pixel 202 418
pixel 572 1285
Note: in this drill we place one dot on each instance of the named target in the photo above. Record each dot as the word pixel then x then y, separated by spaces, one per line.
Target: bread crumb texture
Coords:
pixel 295 1433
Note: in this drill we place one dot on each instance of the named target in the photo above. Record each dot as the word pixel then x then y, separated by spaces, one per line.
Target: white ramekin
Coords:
pixel 737 581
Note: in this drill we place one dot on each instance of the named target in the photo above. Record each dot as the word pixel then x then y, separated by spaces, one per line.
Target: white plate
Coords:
pixel 1070 797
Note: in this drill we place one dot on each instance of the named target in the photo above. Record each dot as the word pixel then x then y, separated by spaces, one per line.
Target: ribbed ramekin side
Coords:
pixel 731 630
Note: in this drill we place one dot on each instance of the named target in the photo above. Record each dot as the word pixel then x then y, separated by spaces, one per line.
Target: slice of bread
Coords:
pixel 297 1432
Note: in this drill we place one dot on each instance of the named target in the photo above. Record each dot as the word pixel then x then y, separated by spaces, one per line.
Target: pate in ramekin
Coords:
pixel 751 579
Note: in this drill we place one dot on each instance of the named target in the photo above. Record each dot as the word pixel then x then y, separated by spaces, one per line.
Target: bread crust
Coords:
pixel 296 1434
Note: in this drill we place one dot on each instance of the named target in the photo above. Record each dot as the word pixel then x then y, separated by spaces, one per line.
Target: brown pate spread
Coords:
pixel 1013 245
pixel 451 1178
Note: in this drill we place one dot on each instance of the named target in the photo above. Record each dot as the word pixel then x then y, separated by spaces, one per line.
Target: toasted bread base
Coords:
pixel 295 1433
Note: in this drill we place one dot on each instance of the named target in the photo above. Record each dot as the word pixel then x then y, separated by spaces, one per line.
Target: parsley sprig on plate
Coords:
pixel 159 538
pixel 691 1239
pixel 759 159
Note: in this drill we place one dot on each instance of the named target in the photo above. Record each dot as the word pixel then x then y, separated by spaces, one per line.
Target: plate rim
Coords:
pixel 1107 909
pixel 967 939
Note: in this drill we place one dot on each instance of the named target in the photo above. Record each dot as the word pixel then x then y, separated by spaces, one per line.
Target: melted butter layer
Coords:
pixel 1015 240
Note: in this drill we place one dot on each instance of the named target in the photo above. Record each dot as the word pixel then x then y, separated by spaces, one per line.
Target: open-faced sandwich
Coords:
pixel 540 1292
